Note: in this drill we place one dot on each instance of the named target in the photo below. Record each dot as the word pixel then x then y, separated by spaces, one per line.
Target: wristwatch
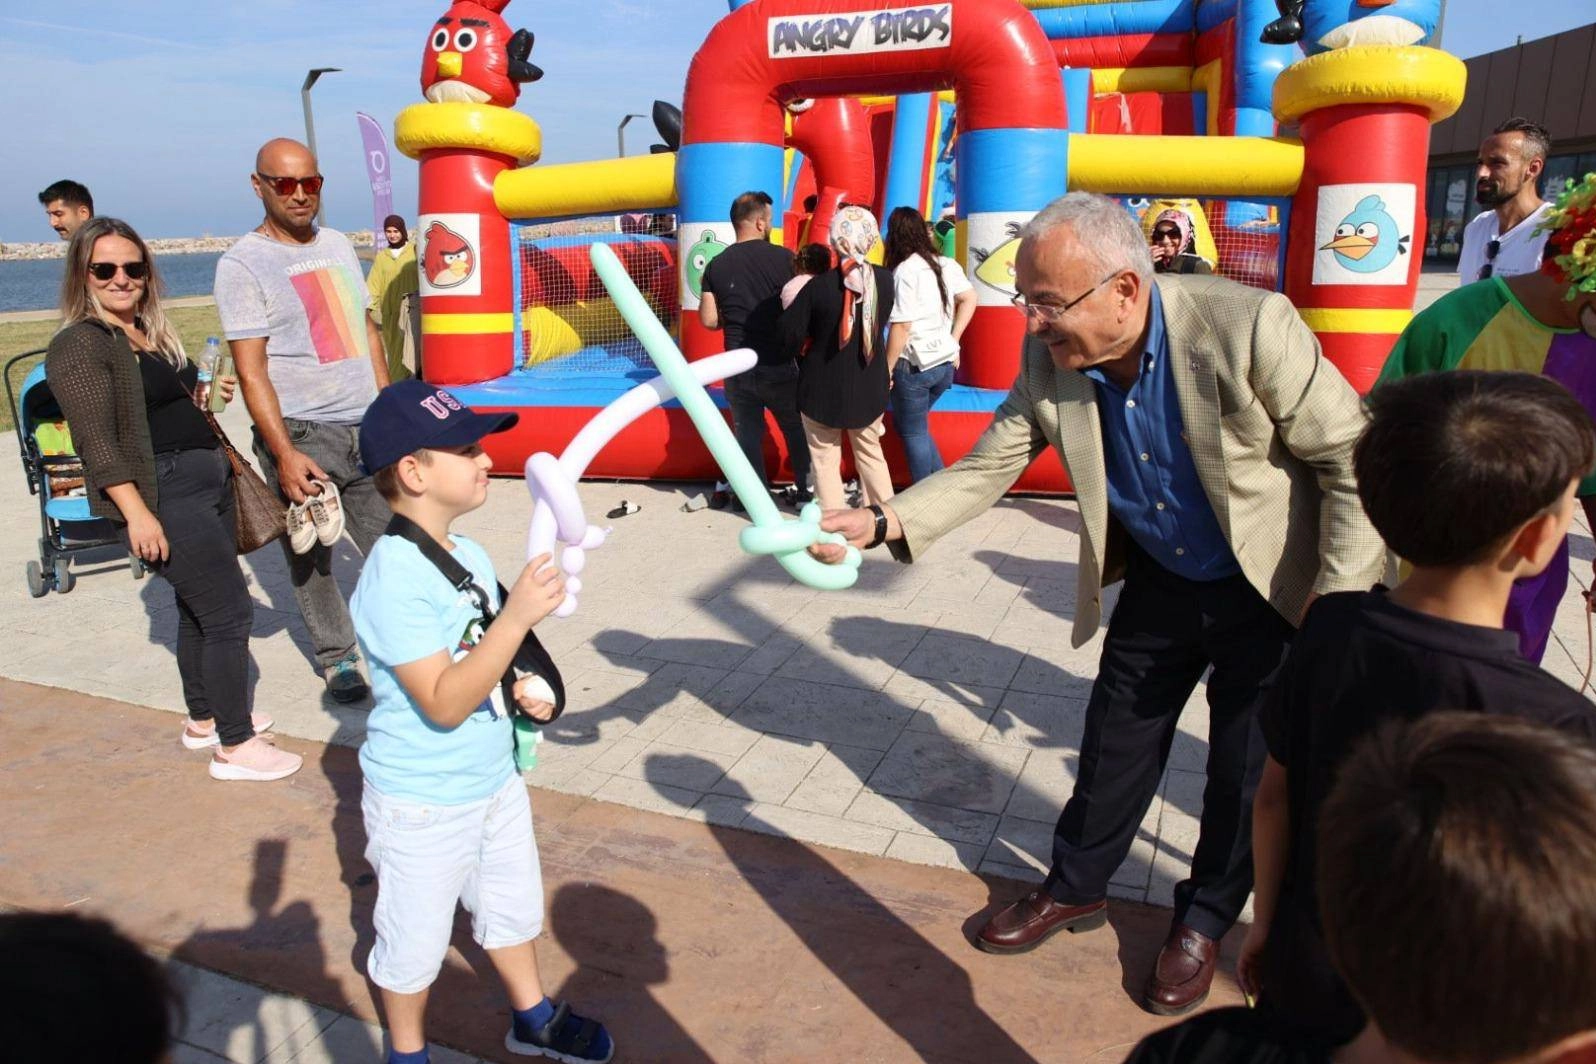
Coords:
pixel 881 526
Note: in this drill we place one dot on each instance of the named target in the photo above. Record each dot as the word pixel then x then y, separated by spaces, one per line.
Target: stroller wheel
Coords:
pixel 65 579
pixel 36 585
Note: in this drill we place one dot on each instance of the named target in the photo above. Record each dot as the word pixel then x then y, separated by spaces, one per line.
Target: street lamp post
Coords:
pixel 310 126
pixel 620 135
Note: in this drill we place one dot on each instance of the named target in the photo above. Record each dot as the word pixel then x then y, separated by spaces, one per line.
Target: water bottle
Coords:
pixel 206 365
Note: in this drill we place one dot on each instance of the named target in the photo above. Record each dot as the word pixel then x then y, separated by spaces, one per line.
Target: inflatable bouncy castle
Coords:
pixel 1295 171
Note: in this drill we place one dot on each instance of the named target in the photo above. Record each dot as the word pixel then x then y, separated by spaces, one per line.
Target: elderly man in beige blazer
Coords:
pixel 1210 445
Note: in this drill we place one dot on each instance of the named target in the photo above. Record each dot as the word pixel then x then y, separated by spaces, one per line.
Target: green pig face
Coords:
pixel 698 257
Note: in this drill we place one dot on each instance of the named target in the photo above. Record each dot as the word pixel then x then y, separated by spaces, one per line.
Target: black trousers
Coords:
pixel 214 610
pixel 1165 632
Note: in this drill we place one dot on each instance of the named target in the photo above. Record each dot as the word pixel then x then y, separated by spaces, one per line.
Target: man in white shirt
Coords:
pixel 1504 240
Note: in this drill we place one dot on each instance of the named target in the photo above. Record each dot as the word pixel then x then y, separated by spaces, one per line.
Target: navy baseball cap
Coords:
pixel 413 414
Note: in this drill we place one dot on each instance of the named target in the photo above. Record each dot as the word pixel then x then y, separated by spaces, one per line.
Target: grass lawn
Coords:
pixel 193 324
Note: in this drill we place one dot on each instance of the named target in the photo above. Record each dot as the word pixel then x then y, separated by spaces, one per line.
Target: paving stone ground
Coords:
pixel 932 713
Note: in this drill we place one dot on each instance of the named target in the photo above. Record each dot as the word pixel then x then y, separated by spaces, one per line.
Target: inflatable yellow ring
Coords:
pixel 425 126
pixel 1424 77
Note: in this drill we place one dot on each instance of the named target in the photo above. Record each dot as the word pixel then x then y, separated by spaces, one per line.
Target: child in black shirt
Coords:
pixel 1454 930
pixel 1469 477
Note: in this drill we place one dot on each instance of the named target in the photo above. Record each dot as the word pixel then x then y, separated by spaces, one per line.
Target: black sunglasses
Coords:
pixel 104 271
pixel 284 186
pixel 1491 251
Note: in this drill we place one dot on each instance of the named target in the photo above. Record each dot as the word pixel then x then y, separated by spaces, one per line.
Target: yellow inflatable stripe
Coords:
pixel 1355 320
pixel 1110 163
pixel 604 186
pixel 1142 79
pixel 466 324
pixel 1372 73
pixel 554 332
pixel 467 125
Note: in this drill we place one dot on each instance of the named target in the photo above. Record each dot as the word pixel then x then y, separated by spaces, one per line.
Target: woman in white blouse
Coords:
pixel 933 302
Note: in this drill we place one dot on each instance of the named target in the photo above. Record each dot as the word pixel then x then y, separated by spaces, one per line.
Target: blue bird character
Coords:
pixel 1367 241
pixel 1323 25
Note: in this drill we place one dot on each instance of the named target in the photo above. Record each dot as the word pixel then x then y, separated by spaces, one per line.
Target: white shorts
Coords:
pixel 428 857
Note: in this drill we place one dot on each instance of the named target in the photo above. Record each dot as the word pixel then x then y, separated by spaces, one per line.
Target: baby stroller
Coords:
pixel 55 475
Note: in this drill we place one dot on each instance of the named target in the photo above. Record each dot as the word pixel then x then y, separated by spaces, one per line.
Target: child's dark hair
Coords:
pixel 812 259
pixel 68 983
pixel 1452 463
pixel 386 479
pixel 1457 883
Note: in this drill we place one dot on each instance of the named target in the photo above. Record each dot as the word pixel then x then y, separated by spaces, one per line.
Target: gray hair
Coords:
pixel 1103 228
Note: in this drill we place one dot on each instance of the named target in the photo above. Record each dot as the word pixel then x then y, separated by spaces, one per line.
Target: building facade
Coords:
pixel 1551 81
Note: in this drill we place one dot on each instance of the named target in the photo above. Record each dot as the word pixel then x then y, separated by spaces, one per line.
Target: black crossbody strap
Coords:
pixel 457 575
pixel 530 658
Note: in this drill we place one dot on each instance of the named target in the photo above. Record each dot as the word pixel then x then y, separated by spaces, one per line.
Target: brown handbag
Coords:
pixel 259 516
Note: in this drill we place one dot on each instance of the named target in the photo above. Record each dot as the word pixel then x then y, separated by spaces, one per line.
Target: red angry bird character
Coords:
pixel 472 56
pixel 448 260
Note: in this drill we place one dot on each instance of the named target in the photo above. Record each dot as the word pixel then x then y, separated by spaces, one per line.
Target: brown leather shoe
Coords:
pixel 1028 922
pixel 1183 974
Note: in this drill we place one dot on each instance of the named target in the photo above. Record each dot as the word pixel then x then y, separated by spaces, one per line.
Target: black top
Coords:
pixel 176 424
pixel 746 280
pixel 836 387
pixel 1224 1036
pixel 1358 660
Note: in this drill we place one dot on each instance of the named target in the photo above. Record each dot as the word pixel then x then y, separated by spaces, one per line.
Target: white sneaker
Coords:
pixel 326 513
pixel 256 760
pixel 301 531
pixel 200 740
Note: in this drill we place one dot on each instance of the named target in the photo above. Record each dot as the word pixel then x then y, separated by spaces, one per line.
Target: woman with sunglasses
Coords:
pixel 155 467
pixel 1173 244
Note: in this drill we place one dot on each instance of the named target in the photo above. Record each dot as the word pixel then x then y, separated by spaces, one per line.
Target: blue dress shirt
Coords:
pixel 1153 489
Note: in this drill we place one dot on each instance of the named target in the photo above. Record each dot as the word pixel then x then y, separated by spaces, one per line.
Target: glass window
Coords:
pixel 1455 216
pixel 1560 169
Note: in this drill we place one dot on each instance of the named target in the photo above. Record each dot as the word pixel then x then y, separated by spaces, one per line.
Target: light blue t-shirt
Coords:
pixel 404 610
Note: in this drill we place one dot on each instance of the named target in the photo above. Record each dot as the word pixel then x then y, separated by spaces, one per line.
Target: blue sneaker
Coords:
pixel 345 681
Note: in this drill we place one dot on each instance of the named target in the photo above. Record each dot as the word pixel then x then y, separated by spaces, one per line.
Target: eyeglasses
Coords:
pixel 284 186
pixel 104 271
pixel 1162 235
pixel 1048 314
pixel 1491 251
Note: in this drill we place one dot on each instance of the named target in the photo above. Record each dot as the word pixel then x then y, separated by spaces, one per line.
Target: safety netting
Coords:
pixel 1238 239
pixel 566 323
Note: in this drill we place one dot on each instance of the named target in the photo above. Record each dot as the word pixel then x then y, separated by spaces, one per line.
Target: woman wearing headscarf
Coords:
pixel 392 279
pixel 1173 244
pixel 842 379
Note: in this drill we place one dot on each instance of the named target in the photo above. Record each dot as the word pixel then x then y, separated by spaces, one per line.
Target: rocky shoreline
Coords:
pixel 55 249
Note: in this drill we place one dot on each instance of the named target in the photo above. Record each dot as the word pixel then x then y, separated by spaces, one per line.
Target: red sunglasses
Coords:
pixel 284 186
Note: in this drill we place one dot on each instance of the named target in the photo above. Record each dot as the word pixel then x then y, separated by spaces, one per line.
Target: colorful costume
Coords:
pixel 1482 326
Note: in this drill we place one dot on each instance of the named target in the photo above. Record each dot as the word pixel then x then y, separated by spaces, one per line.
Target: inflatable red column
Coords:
pixel 1356 237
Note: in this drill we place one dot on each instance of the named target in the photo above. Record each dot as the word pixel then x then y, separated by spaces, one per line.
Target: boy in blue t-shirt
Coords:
pixel 447 818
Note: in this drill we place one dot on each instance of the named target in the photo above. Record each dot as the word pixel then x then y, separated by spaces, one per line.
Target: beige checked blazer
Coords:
pixel 1270 424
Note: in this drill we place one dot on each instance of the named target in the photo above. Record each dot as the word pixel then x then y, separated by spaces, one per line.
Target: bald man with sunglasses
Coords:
pixel 1210 446
pixel 292 299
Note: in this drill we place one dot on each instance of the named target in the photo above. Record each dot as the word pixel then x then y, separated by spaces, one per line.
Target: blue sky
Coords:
pixel 159 105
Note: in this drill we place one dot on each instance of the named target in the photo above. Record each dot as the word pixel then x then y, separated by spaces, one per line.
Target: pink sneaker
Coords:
pixel 256 760
pixel 200 739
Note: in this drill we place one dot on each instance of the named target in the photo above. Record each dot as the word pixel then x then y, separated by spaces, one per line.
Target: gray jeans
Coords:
pixel 336 448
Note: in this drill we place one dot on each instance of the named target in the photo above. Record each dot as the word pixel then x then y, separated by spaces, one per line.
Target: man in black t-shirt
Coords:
pixel 742 296
pixel 1469 477
pixel 1456 855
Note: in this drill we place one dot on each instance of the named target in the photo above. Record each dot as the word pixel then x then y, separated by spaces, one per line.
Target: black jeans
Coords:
pixel 1166 630
pixel 749 395
pixel 214 610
